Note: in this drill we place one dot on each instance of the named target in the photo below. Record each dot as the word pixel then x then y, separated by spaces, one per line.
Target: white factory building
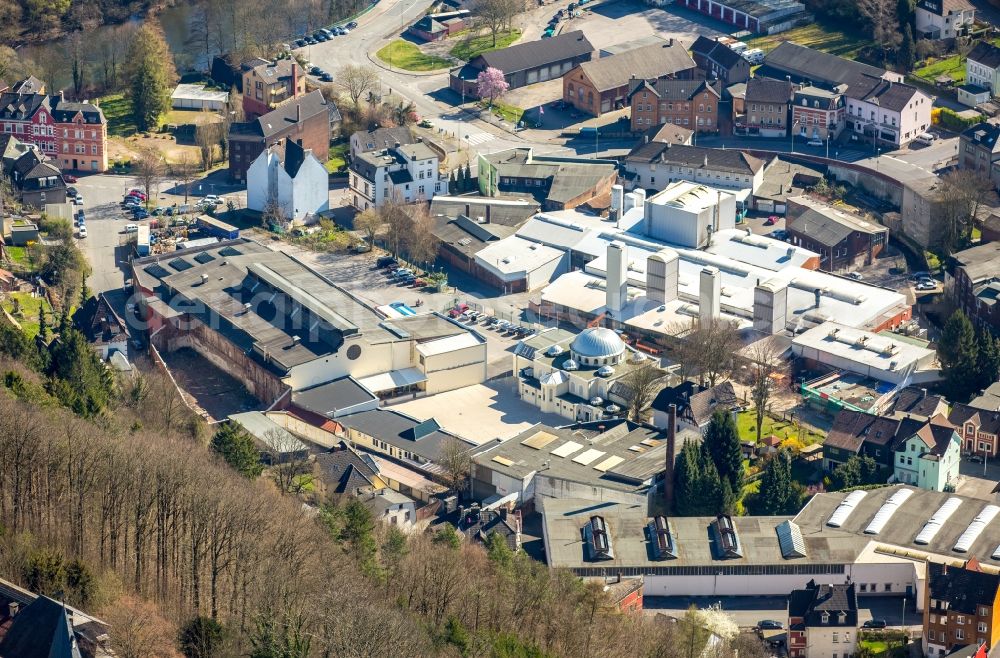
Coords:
pixel 845 348
pixel 687 214
pixel 881 540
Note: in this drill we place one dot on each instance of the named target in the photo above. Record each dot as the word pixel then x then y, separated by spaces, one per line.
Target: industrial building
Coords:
pixel 278 326
pixel 687 214
pixel 881 540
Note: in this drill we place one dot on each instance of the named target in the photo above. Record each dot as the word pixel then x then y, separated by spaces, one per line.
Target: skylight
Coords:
pixel 934 523
pixel 885 512
pixel 976 528
pixel 839 516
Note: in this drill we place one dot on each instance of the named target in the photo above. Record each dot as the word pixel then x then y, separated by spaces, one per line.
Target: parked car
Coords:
pixel 81 217
pixel 351 25
pixel 917 276
pixel 82 231
pixel 926 285
pixel 458 310
pixel 131 228
pixel 857 276
pixel 315 70
pixel 771 221
pixel 976 459
pixel 300 43
pixel 136 192
pixel 875 623
pixel 212 199
pixel 426 123
pixel 71 192
pixel 140 213
pixel 326 77
pixel 69 178
pixel 815 142
pixel 925 138
pixel 769 625
pixel 779 234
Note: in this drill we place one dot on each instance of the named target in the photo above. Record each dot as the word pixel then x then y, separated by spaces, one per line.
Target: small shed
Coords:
pixel 23 232
pixel 196 97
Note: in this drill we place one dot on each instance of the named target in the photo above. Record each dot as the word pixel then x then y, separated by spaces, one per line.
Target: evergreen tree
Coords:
pixel 686 476
pixel 722 445
pixel 79 583
pixel 201 638
pixel 452 183
pixel 779 494
pixel 78 377
pixel 84 292
pixel 987 359
pixel 499 552
pixel 45 573
pixel 714 493
pixel 848 474
pixel 906 56
pixel 957 353
pixel 470 182
pixel 151 76
pixel 43 324
pixel 236 447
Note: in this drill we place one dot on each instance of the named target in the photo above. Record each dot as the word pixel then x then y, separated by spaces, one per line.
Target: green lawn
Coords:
pixel 953 67
pixel 19 255
pixel 404 55
pixel 747 424
pixel 118 111
pixel 506 112
pixel 473 46
pixel 338 159
pixel 28 315
pixel 814 35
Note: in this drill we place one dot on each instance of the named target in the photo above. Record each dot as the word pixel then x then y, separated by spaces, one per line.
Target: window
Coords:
pixel 836 638
pixel 959 634
pixel 960 620
pixel 981 627
pixel 888 587
pixel 984 611
pixel 864 587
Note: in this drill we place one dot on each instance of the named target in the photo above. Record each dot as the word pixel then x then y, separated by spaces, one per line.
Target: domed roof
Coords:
pixel 597 342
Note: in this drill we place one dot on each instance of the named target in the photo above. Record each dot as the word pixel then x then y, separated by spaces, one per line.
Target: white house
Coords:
pixel 929 458
pixel 944 19
pixel 982 67
pixel 891 112
pixel 654 164
pixel 291 177
pixel 823 621
pixel 404 172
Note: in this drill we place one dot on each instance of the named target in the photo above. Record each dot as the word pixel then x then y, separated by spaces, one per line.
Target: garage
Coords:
pixel 199 98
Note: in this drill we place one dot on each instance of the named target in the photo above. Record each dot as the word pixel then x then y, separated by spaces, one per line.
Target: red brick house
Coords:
pixel 977 427
pixel 842 239
pixel 693 104
pixel 267 85
pixel 977 284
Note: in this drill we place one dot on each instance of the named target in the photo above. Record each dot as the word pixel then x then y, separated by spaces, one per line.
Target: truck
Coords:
pixel 217 228
pixel 142 241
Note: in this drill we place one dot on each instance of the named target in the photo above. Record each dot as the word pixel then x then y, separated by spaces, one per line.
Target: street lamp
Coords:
pixel 794 125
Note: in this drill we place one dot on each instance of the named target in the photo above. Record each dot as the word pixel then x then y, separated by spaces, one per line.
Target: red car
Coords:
pixel 139 194
pixel 458 310
pixel 69 178
pixel 771 221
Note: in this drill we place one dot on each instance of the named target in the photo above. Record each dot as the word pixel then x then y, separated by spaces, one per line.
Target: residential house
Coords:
pixel 105 330
pixel 405 173
pixel 345 470
pixel 695 404
pixel 558 183
pixel 603 85
pixel 478 523
pixel 979 151
pixel 690 103
pixel 843 240
pixel 818 113
pixel 289 180
pixel 823 621
pixel 32 625
pixel 668 133
pixel 29 85
pixel 267 85
pixel 657 164
pixel 929 458
pixel 988 399
pixel 978 429
pixel 36 180
pixel 917 402
pixel 856 433
pixel 767 107
pixel 977 284
pixel 74 134
pixel 719 61
pixel 982 67
pixel 434 27
pixel 525 63
pixel 759 16
pixel 891 113
pixel 391 507
pixel 944 19
pixel 304 120
pixel 365 141
pixel 961 607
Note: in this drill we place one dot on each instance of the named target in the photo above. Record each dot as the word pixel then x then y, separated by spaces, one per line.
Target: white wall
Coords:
pixel 741 585
pixel 820 641
pixel 310 191
pixel 544 275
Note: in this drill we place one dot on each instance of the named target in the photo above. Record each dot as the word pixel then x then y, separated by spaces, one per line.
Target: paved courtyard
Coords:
pixel 481 413
pixel 614 23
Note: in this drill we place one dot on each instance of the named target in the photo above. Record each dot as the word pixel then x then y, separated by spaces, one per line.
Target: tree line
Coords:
pixel 969 358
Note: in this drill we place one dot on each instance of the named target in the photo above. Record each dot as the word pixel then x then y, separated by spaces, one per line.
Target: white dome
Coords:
pixel 597 342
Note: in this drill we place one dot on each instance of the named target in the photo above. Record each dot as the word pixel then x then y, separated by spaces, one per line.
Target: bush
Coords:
pixel 948 118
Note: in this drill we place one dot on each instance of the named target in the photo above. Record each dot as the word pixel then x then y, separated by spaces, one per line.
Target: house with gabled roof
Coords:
pixel 982 67
pixel 289 178
pixel 823 620
pixel 962 605
pixel 719 61
pixel 105 330
pixel 693 104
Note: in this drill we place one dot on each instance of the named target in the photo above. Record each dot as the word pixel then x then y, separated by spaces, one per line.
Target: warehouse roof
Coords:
pixel 495 212
pixel 825 224
pixel 422 438
pixel 533 54
pixel 648 62
pixel 806 64
pixel 333 397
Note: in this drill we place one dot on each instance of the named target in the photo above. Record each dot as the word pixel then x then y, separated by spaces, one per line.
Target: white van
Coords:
pixel 754 56
pixel 925 138
pixel 739 47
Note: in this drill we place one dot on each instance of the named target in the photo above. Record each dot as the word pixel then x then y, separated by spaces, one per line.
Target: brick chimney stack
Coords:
pixel 668 474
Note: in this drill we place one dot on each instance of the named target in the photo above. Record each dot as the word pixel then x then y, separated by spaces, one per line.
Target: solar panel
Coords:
pixel 885 512
pixel 845 508
pixel 790 540
pixel 661 538
pixel 587 456
pixel 975 528
pixel 539 440
pixel 567 449
pixel 934 523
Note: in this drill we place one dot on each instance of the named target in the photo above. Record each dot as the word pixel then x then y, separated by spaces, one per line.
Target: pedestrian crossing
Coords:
pixel 478 138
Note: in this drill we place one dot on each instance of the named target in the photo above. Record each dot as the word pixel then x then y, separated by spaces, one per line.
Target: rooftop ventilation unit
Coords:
pixel 975 528
pixel 661 539
pixel 605 371
pixel 845 508
pixel 598 540
pixel 790 540
pixel 554 350
pixel 934 523
pixel 885 512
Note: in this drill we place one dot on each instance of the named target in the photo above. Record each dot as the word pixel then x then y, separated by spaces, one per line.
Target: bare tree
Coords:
pixel 149 169
pixel 207 138
pixel 497 15
pixel 420 241
pixel 456 460
pixel 396 220
pixel 369 223
pixel 884 21
pixel 273 215
pixel 185 170
pixel 764 361
pixel 357 80
pixel 289 462
pixel 706 351
pixel 642 384
pixel 963 195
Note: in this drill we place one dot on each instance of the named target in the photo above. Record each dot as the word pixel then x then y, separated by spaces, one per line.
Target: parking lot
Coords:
pixel 614 23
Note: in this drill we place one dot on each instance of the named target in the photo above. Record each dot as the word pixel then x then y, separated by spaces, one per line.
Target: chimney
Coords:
pixel 818 296
pixel 468 210
pixel 204 279
pixel 709 296
pixel 295 78
pixel 670 42
pixel 298 113
pixel 13 608
pixel 616 295
pixel 487 213
pixel 668 473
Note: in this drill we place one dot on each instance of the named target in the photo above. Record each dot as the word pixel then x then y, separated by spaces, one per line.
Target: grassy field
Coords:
pixel 118 111
pixel 338 159
pixel 815 35
pixel 746 422
pixel 953 67
pixel 506 112
pixel 28 316
pixel 473 46
pixel 404 55
pixel 18 255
